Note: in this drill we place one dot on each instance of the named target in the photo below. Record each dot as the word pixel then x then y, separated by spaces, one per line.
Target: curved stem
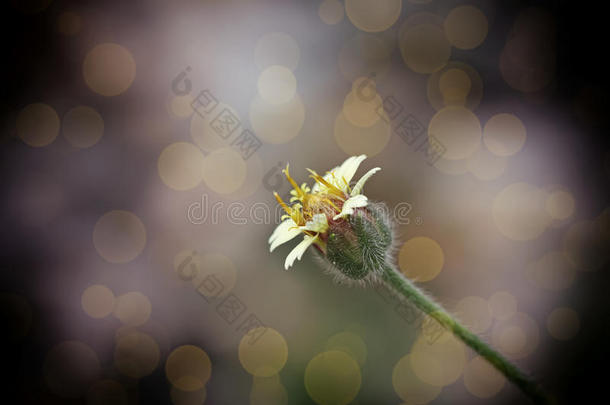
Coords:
pixel 408 290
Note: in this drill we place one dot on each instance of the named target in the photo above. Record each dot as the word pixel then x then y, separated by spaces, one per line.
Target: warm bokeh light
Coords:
pixel 332 377
pixel 560 205
pixel 119 236
pixel 268 391
pixel 438 363
pixel 83 126
pixel 482 379
pixel 331 12
pixel 518 211
pixel 503 305
pixel 181 106
pixel 98 301
pixel 180 166
pixel 356 140
pixel 224 170
pixel 458 129
pixel 486 166
pixel 424 48
pixel 254 179
pixel 277 123
pixel 136 354
pixel 409 387
pixel 373 16
pixel 504 134
pixel 277 84
pixel 360 106
pixel 456 84
pixel 109 69
pixel 266 355
pixel 133 308
pixel 203 128
pixel 188 368
pixel 516 337
pixel 466 27
pixel 350 343
pixel 474 312
pixel 218 266
pixel 37 124
pixel 421 258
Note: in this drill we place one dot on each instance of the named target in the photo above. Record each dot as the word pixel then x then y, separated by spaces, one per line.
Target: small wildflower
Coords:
pixel 354 238
pixel 316 211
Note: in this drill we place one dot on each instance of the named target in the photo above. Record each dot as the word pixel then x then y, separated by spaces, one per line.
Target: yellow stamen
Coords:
pixel 328 200
pixel 346 184
pixel 310 233
pixel 322 181
pixel 296 216
pixel 294 184
pixel 282 203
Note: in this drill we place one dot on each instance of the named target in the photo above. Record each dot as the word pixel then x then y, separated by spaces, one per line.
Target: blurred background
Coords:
pixel 141 142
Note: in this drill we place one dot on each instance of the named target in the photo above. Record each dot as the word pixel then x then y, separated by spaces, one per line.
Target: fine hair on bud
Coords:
pixel 360 247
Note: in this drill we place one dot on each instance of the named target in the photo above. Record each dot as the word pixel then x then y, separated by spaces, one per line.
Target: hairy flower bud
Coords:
pixel 359 248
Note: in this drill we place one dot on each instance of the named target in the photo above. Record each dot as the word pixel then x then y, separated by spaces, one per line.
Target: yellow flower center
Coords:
pixel 327 200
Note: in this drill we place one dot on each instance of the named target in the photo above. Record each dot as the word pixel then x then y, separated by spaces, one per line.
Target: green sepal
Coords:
pixel 358 246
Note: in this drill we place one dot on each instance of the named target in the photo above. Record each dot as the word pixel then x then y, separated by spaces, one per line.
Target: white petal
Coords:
pixel 284 232
pixel 298 251
pixel 282 227
pixel 358 187
pixel 329 177
pixel 319 223
pixel 329 174
pixel 348 169
pixel 349 205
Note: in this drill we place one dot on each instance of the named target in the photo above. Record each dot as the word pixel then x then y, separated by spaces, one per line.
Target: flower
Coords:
pixel 356 240
pixel 329 202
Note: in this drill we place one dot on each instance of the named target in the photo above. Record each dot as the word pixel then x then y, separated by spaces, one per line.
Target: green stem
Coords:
pixel 406 288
